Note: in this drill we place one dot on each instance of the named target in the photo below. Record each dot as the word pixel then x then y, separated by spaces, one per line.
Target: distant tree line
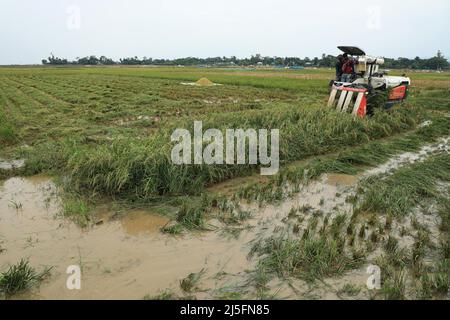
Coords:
pixel 435 63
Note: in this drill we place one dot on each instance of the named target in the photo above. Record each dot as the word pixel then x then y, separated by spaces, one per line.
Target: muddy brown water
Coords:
pixel 441 146
pixel 129 258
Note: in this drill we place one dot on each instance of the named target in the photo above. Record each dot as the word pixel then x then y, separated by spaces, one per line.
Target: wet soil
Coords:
pixel 128 257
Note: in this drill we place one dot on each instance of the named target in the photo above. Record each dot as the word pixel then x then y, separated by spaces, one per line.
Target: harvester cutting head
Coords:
pixel 352 100
pixel 355 92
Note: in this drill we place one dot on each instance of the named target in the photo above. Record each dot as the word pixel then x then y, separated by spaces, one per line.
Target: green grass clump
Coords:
pixel 394 288
pixel 190 283
pixel 7 133
pixel 165 295
pixel 349 290
pixel 20 277
pixel 192 216
pixel 311 256
pixel 436 283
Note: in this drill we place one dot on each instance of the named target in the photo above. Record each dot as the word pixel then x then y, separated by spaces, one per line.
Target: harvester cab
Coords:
pixel 367 87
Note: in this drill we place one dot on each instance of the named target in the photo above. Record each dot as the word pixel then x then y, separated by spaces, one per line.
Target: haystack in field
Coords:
pixel 204 82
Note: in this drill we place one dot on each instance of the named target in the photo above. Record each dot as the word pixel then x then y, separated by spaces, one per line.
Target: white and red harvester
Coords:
pixel 366 83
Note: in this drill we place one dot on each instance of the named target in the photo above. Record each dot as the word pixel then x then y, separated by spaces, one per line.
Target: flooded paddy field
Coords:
pixel 91 189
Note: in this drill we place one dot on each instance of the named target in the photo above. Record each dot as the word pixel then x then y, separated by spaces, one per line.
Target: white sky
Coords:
pixel 30 29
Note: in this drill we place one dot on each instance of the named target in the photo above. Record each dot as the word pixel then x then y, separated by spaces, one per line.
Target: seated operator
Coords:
pixel 348 69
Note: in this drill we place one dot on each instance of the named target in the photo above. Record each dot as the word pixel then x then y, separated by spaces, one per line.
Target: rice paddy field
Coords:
pixel 86 179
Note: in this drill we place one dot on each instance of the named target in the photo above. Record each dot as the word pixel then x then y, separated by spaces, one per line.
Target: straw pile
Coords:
pixel 204 82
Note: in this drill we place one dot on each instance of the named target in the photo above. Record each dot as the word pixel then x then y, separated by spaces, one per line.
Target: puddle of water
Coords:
pixel 329 289
pixel 141 222
pixel 410 157
pixel 11 165
pixel 326 195
pixel 27 207
pixel 341 179
pixel 123 259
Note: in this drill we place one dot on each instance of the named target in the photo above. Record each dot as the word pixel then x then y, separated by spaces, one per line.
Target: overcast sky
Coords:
pixel 30 30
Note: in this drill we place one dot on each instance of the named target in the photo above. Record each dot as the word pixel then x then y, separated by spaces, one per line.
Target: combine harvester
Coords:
pixel 359 96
